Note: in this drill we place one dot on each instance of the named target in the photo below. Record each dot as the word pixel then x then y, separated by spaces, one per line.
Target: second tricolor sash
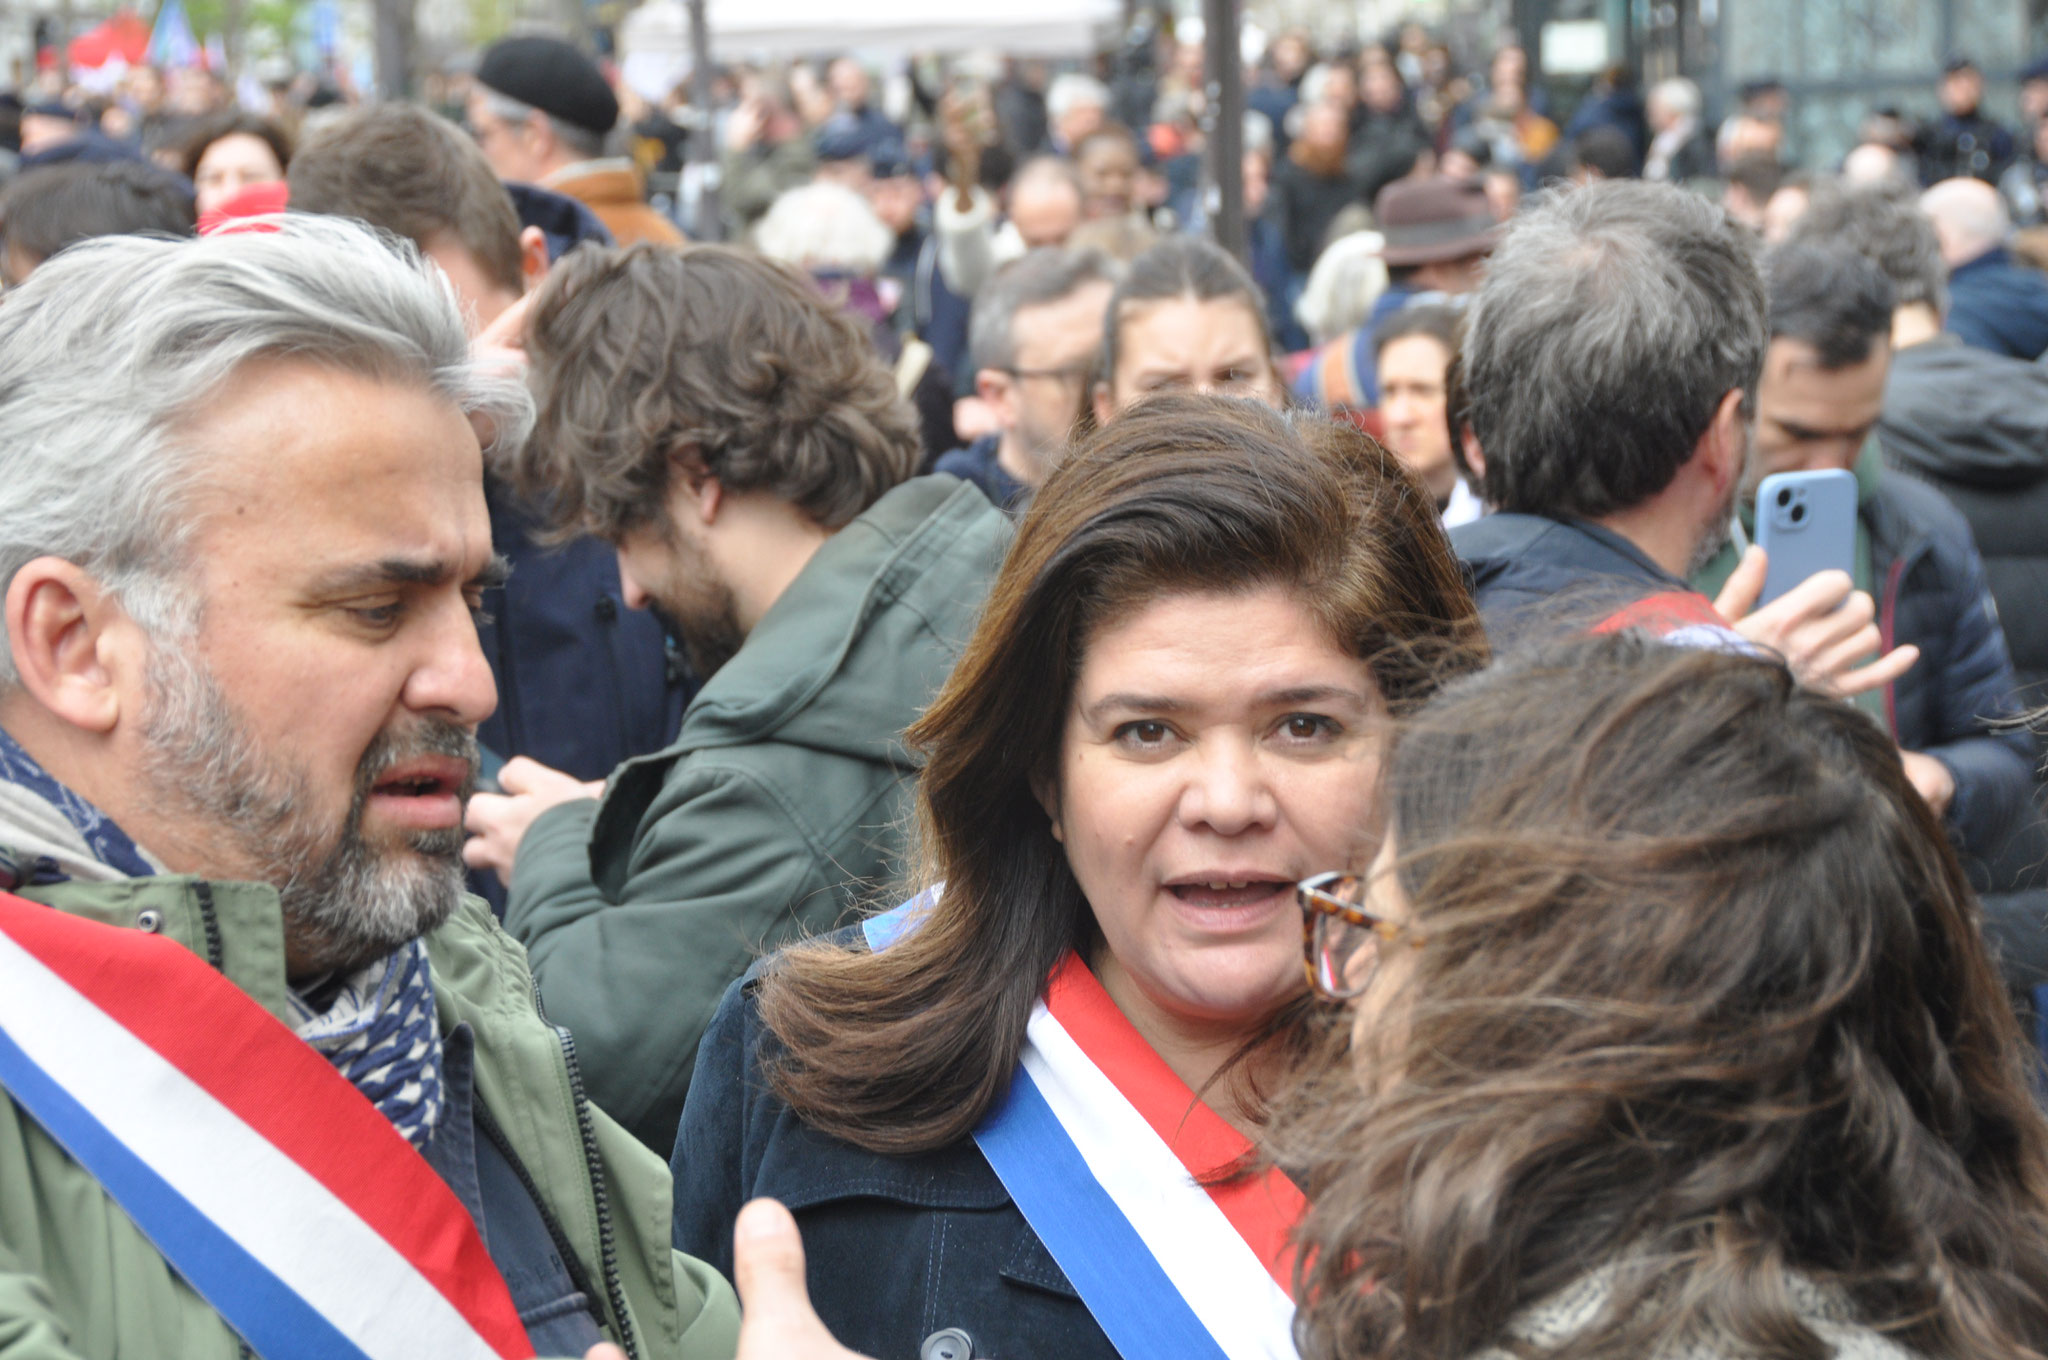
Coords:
pixel 1126 1178
pixel 270 1184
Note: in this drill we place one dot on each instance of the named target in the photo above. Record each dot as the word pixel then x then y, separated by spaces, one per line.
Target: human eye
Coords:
pixel 1143 735
pixel 378 617
pixel 1309 728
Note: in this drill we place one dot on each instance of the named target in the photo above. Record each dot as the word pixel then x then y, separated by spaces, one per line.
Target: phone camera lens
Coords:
pixel 1784 495
pixel 1798 513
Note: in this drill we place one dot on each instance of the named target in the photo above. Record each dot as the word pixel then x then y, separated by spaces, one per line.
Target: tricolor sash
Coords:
pixel 1124 1175
pixel 1681 618
pixel 270 1184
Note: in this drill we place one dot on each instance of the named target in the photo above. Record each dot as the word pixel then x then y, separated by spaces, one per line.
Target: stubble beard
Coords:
pixel 699 606
pixel 346 902
pixel 1716 532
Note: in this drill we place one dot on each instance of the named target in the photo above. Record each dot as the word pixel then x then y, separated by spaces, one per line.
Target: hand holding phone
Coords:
pixel 1806 524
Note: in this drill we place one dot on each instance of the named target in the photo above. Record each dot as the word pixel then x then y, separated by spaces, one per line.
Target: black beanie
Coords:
pixel 550 75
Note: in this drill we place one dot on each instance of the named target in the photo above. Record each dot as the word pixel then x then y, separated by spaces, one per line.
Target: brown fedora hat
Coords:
pixel 1429 220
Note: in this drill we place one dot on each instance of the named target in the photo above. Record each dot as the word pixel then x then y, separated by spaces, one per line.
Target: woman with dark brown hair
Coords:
pixel 1319 178
pixel 1013 1118
pixel 1674 1037
pixel 229 152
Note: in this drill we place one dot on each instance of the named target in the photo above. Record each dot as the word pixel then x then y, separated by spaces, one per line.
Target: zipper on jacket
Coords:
pixel 1887 625
pixel 607 611
pixel 570 1262
pixel 209 919
pixel 607 1242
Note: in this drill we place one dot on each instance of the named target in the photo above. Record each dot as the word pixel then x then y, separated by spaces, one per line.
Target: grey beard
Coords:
pixel 345 902
pixel 1713 538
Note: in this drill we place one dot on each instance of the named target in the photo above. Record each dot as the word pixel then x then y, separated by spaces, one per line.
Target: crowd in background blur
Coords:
pixel 870 481
pixel 1024 243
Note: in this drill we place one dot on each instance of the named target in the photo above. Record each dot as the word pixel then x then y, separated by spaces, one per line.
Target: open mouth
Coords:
pixel 1229 892
pixel 414 786
pixel 424 792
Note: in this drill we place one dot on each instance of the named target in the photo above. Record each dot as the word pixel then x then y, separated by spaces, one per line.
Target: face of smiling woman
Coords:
pixel 1218 747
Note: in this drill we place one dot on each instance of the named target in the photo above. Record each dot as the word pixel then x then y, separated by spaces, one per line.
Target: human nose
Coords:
pixel 453 679
pixel 1228 791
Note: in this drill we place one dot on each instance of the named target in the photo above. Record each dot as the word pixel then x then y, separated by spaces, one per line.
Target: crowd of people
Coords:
pixel 964 773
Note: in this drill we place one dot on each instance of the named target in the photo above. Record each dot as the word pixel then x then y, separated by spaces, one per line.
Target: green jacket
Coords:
pixel 783 801
pixel 78 1279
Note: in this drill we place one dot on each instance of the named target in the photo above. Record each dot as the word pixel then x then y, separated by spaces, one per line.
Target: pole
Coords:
pixel 231 24
pixel 395 28
pixel 1223 116
pixel 702 148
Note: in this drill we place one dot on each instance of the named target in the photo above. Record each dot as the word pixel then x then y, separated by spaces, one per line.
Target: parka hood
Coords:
pixel 1966 415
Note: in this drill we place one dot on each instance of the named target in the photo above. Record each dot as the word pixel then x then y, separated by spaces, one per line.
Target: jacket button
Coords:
pixel 949 1344
pixel 607 609
pixel 149 920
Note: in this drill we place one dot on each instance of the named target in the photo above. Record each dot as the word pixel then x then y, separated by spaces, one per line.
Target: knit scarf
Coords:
pixel 376 1025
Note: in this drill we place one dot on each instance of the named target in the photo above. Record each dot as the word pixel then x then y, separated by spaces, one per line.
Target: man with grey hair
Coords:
pixel 1607 378
pixel 542 111
pixel 1680 149
pixel 1075 106
pixel 242 543
pixel 1035 339
pixel 1994 302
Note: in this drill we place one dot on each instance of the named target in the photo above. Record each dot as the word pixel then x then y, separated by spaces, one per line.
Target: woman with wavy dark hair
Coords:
pixel 227 153
pixel 1013 1118
pixel 1674 1036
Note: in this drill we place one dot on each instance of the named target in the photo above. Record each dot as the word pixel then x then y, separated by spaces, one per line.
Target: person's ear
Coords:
pixel 1726 443
pixel 1046 790
pixel 540 138
pixel 1475 457
pixel 74 647
pixel 694 490
pixel 998 389
pixel 1105 407
pixel 533 258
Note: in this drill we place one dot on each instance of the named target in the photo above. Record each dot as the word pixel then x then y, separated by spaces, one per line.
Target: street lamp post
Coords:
pixel 702 147
pixel 1223 112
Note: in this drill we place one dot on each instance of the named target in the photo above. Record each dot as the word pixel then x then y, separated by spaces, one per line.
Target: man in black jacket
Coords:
pixel 1975 425
pixel 1823 386
pixel 1994 302
pixel 1963 141
pixel 1608 379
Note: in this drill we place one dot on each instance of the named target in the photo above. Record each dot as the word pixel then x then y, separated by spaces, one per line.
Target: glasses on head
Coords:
pixel 1340 940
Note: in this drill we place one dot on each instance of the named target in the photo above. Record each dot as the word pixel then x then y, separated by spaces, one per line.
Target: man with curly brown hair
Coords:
pixel 733 435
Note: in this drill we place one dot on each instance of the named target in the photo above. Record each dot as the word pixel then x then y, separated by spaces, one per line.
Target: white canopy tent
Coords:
pixel 654 40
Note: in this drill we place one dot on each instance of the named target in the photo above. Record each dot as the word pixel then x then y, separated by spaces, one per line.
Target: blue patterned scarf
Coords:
pixel 377 1027
pixel 110 845
pixel 379 1031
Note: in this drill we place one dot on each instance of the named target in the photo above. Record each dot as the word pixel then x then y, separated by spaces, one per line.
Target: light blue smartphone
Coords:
pixel 1805 523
